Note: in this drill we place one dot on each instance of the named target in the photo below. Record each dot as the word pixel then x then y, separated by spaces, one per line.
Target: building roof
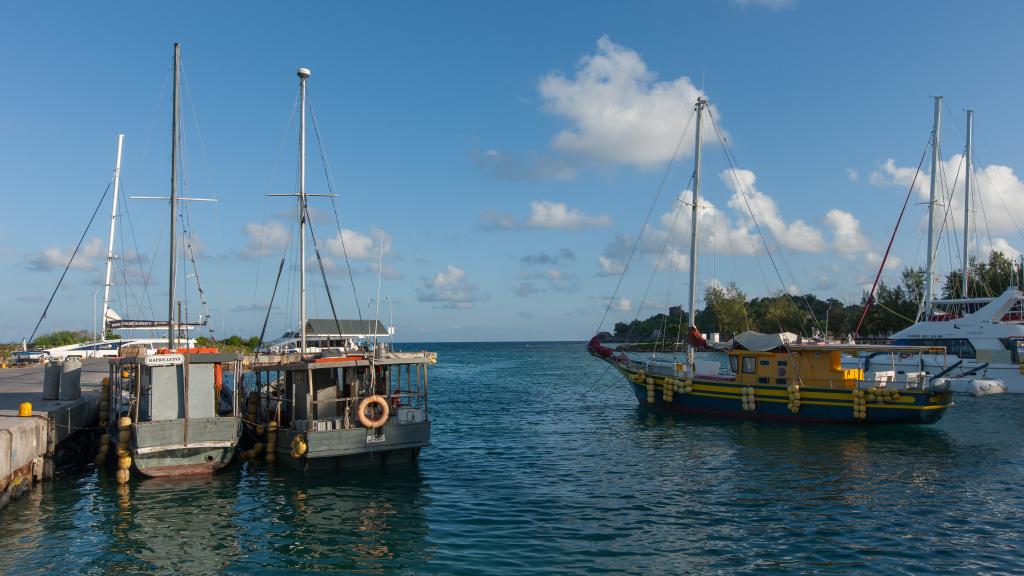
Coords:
pixel 328 327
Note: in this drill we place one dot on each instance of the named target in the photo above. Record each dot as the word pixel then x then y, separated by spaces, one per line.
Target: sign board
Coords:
pixel 165 360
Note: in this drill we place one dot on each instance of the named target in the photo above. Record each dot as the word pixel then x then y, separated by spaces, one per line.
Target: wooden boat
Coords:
pixel 777 376
pixel 792 382
pixel 180 409
pixel 170 413
pixel 356 404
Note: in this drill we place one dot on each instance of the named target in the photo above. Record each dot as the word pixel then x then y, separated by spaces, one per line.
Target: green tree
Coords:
pixel 725 310
pixel 62 338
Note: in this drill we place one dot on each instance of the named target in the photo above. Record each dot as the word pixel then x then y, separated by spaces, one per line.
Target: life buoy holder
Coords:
pixel 385 411
pixel 781 371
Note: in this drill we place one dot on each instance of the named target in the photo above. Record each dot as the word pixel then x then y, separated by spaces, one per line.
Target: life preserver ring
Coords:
pixel 218 377
pixel 385 411
pixel 782 371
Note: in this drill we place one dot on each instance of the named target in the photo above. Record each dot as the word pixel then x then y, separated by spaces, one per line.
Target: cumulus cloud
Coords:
pixel 996 189
pixel 264 239
pixel 611 266
pixel 359 246
pixel 797 235
pixel 873 259
pixel 619 112
pixel 55 258
pixel 545 215
pixel 846 235
pixel 622 305
pixel 450 288
pixel 1001 245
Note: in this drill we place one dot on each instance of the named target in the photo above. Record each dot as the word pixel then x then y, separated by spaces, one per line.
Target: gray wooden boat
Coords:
pixel 182 411
pixel 339 412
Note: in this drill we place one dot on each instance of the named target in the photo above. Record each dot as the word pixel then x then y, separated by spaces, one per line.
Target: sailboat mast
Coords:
pixel 303 75
pixel 936 129
pixel 694 224
pixel 110 243
pixel 175 115
pixel 967 195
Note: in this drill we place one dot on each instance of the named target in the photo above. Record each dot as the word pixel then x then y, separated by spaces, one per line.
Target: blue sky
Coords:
pixel 508 151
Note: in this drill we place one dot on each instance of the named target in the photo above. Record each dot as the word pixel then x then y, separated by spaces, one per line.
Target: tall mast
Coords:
pixel 303 75
pixel 928 294
pixel 694 223
pixel 967 195
pixel 175 115
pixel 110 243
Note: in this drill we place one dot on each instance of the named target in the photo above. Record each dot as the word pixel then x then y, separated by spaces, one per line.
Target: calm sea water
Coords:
pixel 542 466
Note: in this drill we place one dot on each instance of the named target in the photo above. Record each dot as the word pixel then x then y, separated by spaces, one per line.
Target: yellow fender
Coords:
pixel 299 446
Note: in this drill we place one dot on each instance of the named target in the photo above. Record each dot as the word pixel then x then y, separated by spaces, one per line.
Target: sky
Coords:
pixel 494 163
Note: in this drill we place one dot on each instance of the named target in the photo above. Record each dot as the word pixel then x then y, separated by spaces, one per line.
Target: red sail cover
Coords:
pixel 696 340
pixel 596 347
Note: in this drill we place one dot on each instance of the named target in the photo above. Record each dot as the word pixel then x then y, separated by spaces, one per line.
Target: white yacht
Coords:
pixel 328 334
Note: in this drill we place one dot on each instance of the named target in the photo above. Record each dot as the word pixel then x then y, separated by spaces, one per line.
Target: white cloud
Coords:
pixel 55 258
pixel 852 174
pixel 359 246
pixel 1000 245
pixel 873 259
pixel 674 259
pixel 264 239
pixel 451 289
pixel 846 235
pixel 622 305
pixel 611 266
pixel 619 112
pixel 797 235
pixel 545 215
pixel 556 215
pixel 996 189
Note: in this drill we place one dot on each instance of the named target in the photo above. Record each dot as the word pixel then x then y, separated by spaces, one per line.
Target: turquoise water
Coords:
pixel 540 466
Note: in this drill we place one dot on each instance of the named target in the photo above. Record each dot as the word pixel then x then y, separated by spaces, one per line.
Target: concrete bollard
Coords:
pixel 71 380
pixel 51 380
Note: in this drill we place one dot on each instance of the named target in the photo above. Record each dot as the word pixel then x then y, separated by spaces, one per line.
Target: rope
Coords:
pixel 650 211
pixel 874 286
pixel 757 225
pixel 330 187
pixel 70 261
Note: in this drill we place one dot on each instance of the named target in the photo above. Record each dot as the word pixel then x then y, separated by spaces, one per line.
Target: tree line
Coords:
pixel 895 306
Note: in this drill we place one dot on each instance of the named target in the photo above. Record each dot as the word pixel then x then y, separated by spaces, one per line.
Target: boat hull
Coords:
pixel 160 449
pixel 719 397
pixel 355 447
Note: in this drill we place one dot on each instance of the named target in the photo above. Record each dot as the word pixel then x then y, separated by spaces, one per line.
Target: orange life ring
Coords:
pixel 218 377
pixel 385 411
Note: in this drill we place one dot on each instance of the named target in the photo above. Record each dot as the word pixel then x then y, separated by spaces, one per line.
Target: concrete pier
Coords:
pixel 31 446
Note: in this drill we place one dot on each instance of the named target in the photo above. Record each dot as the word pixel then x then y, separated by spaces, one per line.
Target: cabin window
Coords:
pixel 748 365
pixel 764 362
pixel 762 380
pixel 734 364
pixel 781 381
pixel 783 362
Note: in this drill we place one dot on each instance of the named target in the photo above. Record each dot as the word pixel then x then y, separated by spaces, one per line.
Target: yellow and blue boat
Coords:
pixel 776 379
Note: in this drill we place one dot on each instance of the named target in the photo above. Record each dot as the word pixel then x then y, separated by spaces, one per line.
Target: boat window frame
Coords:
pixel 749 364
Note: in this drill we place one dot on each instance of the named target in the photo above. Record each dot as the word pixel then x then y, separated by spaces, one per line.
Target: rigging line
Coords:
pixel 277 162
pixel 156 109
pixel 881 266
pixel 70 261
pixel 270 307
pixel 199 133
pixel 671 269
pixel 946 220
pixel 323 274
pixel 757 225
pixel 999 194
pixel 329 177
pixel 650 210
